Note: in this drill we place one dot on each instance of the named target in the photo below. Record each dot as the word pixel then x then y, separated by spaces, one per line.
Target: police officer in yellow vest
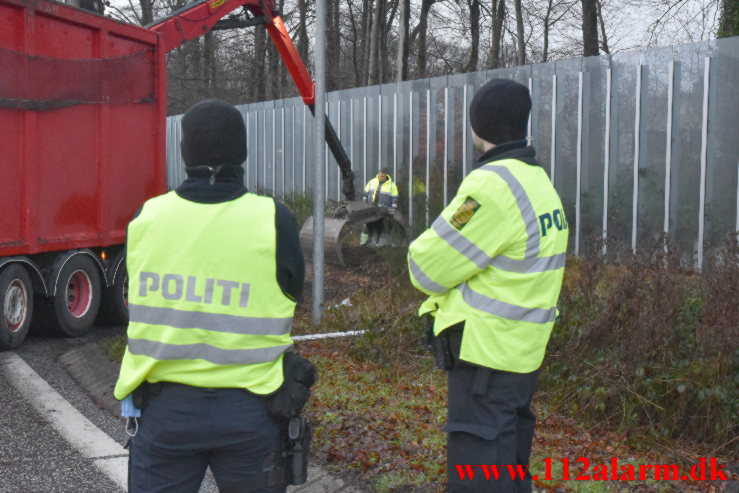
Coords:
pixel 214 276
pixel 492 264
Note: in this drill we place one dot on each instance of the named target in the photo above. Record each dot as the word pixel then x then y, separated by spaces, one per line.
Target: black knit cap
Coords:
pixel 213 133
pixel 499 112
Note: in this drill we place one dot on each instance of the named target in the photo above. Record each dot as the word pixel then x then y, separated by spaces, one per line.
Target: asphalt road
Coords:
pixel 33 456
pixel 36 457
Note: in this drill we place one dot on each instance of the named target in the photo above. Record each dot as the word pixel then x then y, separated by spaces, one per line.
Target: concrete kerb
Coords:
pixel 96 374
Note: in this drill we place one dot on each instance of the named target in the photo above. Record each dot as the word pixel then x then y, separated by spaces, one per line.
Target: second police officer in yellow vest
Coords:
pixel 214 276
pixel 492 264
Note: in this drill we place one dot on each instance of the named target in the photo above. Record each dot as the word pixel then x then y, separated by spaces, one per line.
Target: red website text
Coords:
pixel 582 469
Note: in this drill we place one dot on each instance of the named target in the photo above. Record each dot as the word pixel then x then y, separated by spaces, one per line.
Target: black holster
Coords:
pixel 145 393
pixel 299 434
pixel 445 346
pixel 299 376
pixel 296 430
pixel 439 346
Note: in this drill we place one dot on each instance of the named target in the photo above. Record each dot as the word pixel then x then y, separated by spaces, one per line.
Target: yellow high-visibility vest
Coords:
pixel 494 259
pixel 388 192
pixel 205 307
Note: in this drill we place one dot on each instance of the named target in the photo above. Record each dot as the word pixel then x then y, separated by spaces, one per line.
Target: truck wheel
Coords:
pixel 114 309
pixel 16 301
pixel 77 299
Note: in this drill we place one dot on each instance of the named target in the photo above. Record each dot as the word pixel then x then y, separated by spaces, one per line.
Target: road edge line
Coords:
pixel 89 440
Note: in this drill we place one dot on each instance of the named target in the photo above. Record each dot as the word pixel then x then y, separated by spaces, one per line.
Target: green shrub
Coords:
pixel 648 349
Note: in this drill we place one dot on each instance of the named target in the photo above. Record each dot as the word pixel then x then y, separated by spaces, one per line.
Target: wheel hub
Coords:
pixel 79 293
pixel 15 305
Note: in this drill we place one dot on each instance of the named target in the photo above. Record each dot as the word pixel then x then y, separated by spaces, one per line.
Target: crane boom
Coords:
pixel 202 16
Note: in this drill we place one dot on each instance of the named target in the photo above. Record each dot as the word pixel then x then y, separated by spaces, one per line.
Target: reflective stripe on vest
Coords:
pixel 184 319
pixel 425 280
pixel 532 263
pixel 218 356
pixel 506 310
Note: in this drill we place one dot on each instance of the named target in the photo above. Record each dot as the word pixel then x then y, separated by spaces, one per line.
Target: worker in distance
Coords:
pixel 209 378
pixel 492 264
pixel 381 191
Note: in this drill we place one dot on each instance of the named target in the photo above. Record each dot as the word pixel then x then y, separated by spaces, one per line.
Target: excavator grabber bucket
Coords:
pixel 345 218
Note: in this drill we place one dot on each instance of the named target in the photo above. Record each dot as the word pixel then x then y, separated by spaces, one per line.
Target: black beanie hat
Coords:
pixel 499 112
pixel 213 133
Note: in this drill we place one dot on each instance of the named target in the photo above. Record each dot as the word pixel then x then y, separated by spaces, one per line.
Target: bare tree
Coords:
pixel 210 65
pixel 474 6
pixel 147 11
pixel 589 28
pixel 603 35
pixel 333 42
pixel 403 27
pixel 420 33
pixel 303 43
pixel 374 72
pixel 729 19
pixel 497 32
pixel 520 41
pixel 258 82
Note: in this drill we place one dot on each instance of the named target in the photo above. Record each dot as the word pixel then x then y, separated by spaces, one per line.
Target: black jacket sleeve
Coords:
pixel 290 263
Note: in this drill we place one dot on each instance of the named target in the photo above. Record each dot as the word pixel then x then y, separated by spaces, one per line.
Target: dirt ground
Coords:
pixel 557 436
pixel 364 268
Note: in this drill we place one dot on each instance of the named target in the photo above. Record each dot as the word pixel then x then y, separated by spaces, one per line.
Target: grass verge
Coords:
pixel 641 366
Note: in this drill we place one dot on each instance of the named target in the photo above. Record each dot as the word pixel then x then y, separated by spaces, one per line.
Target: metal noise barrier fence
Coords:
pixel 638 144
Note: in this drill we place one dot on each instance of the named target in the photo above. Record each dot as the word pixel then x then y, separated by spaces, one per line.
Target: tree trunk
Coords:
pixel 387 24
pixel 589 28
pixel 273 72
pixel 729 23
pixel 364 39
pixel 475 35
pixel 547 17
pixel 356 44
pixel 257 82
pixel 499 9
pixel 520 41
pixel 375 44
pixel 403 27
pixel 333 43
pixel 147 11
pixel 422 32
pixel 303 43
pixel 209 65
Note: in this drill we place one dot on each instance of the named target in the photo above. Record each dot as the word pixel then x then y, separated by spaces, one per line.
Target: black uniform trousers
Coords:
pixel 490 422
pixel 184 429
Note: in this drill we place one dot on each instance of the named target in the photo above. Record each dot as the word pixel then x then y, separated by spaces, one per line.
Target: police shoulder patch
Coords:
pixel 464 213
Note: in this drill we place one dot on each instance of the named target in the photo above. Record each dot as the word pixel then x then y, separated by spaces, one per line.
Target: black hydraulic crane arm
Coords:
pixel 202 16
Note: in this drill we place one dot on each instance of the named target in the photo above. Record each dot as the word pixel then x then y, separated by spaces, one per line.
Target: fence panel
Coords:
pixel 638 144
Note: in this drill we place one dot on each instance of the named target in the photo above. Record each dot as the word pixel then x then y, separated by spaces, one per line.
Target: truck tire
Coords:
pixel 114 308
pixel 72 310
pixel 16 302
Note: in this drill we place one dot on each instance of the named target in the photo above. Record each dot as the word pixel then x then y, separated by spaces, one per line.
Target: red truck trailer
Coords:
pixel 82 110
pixel 82 114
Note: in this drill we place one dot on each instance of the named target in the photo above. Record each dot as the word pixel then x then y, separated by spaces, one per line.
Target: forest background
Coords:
pixel 379 41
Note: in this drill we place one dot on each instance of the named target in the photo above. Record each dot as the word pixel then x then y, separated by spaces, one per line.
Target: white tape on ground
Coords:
pixel 329 335
pixel 89 440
